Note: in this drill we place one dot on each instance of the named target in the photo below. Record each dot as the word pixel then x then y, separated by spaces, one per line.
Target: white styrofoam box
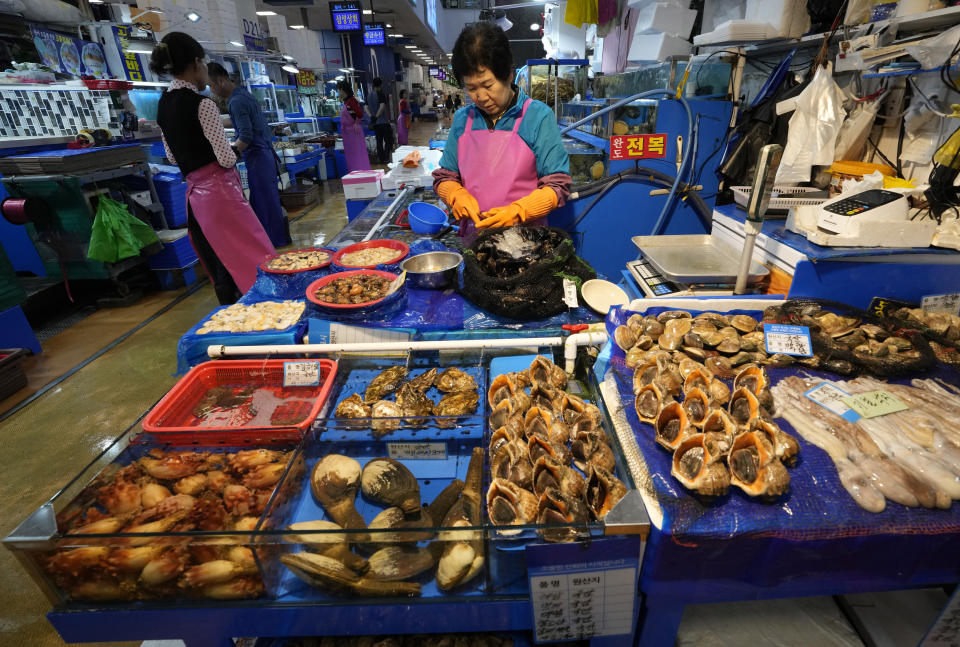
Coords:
pixel 667 18
pixel 717 12
pixel 362 185
pixel 640 4
pixel 734 30
pixel 788 17
pixel 427 155
pixel 657 47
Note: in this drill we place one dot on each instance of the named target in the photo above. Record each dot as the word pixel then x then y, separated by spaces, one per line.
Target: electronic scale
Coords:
pixel 848 215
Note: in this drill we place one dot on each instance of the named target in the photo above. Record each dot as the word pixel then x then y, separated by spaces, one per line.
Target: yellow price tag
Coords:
pixel 874 403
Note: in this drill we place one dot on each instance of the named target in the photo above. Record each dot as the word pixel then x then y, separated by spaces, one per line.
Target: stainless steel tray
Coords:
pixel 696 259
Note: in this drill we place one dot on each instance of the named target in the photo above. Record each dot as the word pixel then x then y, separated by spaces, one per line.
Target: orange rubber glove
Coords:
pixel 538 203
pixel 462 204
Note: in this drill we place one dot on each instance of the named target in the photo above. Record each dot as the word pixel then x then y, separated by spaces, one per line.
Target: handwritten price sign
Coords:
pixel 638 147
pixel 874 403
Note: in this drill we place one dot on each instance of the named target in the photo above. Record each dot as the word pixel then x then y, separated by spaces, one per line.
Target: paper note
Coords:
pixel 301 373
pixel 787 340
pixel 570 293
pixel 831 398
pixel 417 451
pixel 941 303
pixel 874 403
pixel 580 605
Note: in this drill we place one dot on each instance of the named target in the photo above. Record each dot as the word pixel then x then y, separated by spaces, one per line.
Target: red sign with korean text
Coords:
pixel 638 147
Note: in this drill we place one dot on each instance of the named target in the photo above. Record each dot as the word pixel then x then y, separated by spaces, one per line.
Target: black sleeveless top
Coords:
pixel 178 119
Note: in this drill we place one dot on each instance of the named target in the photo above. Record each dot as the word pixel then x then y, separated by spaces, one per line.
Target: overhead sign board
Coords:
pixel 374 33
pixel 345 16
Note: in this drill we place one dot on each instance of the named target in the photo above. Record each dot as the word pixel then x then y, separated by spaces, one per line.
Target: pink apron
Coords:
pixel 497 167
pixel 354 142
pixel 215 196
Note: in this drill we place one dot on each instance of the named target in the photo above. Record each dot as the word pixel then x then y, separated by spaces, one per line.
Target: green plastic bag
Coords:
pixel 117 234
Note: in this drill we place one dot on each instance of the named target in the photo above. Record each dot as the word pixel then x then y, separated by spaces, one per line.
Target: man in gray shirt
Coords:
pixel 380 115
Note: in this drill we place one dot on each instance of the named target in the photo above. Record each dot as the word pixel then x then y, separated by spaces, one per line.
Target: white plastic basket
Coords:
pixel 783 198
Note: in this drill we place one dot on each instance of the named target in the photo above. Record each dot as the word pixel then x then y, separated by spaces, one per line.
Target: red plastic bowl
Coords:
pixel 263 265
pixel 319 283
pixel 402 250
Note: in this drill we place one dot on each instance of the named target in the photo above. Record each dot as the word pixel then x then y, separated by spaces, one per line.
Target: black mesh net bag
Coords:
pixel 518 272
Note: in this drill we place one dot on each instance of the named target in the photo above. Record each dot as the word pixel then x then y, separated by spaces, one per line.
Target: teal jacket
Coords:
pixel 538 130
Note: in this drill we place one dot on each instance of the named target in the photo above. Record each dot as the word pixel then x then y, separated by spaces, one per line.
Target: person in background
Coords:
pixel 380 116
pixel 504 162
pixel 403 121
pixel 253 143
pixel 224 230
pixel 351 130
pixel 457 103
pixel 448 104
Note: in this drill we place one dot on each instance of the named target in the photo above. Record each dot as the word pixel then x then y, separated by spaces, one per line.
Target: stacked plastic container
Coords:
pixel 663 29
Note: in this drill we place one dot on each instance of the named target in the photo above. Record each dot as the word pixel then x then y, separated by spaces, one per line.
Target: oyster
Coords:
pixel 540 445
pixel 744 406
pixel 698 466
pixel 334 482
pixel 591 448
pixel 604 491
pixel 648 403
pixel 393 563
pixel 625 337
pixel 554 507
pixel 455 380
pixel 509 504
pixel 543 371
pixel 414 404
pixel 352 407
pixel 551 473
pixel 671 426
pixel 328 573
pixel 390 482
pixel 744 323
pixel 785 446
pixel 541 421
pixel 753 467
pixel 386 417
pixel 697 405
pixel 424 381
pixel 753 378
pixel 384 384
pixel 455 404
pixel 462 555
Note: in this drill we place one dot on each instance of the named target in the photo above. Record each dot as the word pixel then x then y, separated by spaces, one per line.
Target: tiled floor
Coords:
pixel 53 437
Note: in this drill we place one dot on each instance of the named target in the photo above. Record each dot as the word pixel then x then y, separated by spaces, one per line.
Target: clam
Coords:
pixel 385 383
pixel 542 421
pixel 509 504
pixel 670 342
pixel 543 371
pixel 729 346
pixel 591 448
pixel 352 407
pixel 744 323
pixel 670 315
pixel 604 491
pixel 740 358
pixel 677 327
pixel 652 328
pixel 719 392
pixel 455 404
pixel 388 481
pixel 698 466
pixel 836 325
pixel 322 537
pixel 697 405
pixel 548 472
pixel 697 379
pixel 744 406
pixel 625 337
pixel 692 340
pixel 393 563
pixel 753 467
pixel 455 380
pixel 720 367
pixel 752 378
pixel 635 357
pixel 635 321
pixel 462 555
pixel 394 518
pixel 414 404
pixel 386 417
pixel 424 381
pixel 669 379
pixel 644 342
pixel 752 340
pixel 694 353
pixel 648 403
pixel 671 426
pixel 334 483
pixel 554 507
pixel 716 319
pixel 540 445
pixel 328 573
pixel 785 446
pixel 439 507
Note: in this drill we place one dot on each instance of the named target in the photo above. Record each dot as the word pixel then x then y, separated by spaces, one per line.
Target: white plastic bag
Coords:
pixel 813 129
pixel 855 130
pixel 934 52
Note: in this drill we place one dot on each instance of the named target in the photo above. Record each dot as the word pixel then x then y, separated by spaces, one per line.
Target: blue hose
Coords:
pixel 690 140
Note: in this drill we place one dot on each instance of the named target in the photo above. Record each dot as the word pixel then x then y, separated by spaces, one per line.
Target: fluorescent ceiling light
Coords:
pixel 389 26
pixel 535 26
pixel 296 26
pixel 290 67
pixel 236 43
pixel 192 16
pixel 137 49
pixel 367 12
pixel 410 46
pixel 287 57
pixel 96 1
pixel 344 70
pixel 266 13
pixel 338 78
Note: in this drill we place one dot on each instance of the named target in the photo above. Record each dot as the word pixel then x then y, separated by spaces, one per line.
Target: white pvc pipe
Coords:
pixel 579 339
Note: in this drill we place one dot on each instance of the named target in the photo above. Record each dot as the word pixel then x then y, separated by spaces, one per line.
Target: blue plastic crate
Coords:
pixel 178 278
pixel 176 254
pixel 355 208
pixel 172 191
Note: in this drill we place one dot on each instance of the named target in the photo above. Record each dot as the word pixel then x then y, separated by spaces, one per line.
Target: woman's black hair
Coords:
pixel 215 70
pixel 343 85
pixel 175 53
pixel 482 45
pixel 403 93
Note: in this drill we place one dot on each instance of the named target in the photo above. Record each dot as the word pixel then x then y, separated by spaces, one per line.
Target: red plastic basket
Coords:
pixel 174 419
pixel 402 250
pixel 263 265
pixel 107 84
pixel 330 278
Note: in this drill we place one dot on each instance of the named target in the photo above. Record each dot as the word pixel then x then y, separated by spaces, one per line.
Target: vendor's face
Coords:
pixel 200 71
pixel 487 91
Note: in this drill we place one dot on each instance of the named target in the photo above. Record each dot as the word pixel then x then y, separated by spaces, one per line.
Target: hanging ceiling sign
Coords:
pixel 374 33
pixel 253 36
pixel 345 16
pixel 133 67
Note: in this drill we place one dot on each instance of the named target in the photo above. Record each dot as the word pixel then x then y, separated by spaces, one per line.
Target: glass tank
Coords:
pixel 264 96
pixel 587 163
pixel 145 101
pixel 328 107
pixel 636 118
pixel 573 81
pixel 573 111
pixel 288 99
pixel 305 126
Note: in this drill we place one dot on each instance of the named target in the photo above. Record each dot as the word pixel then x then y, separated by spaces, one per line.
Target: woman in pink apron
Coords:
pixel 504 162
pixel 403 121
pixel 224 230
pixel 351 130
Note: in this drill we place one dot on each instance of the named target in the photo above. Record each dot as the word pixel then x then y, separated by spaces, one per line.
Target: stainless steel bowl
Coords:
pixel 433 270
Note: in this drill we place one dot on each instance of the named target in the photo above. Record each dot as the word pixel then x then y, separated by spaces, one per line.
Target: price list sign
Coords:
pixel 787 340
pixel 576 597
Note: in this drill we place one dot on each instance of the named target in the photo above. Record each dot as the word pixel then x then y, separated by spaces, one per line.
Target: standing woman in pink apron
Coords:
pixel 403 121
pixel 504 163
pixel 351 130
pixel 224 230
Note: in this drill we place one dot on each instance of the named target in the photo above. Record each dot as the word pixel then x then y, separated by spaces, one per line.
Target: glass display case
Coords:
pixel 145 101
pixel 587 163
pixel 636 118
pixel 278 100
pixel 302 125
pixel 538 82
pixel 573 111
pixel 328 107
